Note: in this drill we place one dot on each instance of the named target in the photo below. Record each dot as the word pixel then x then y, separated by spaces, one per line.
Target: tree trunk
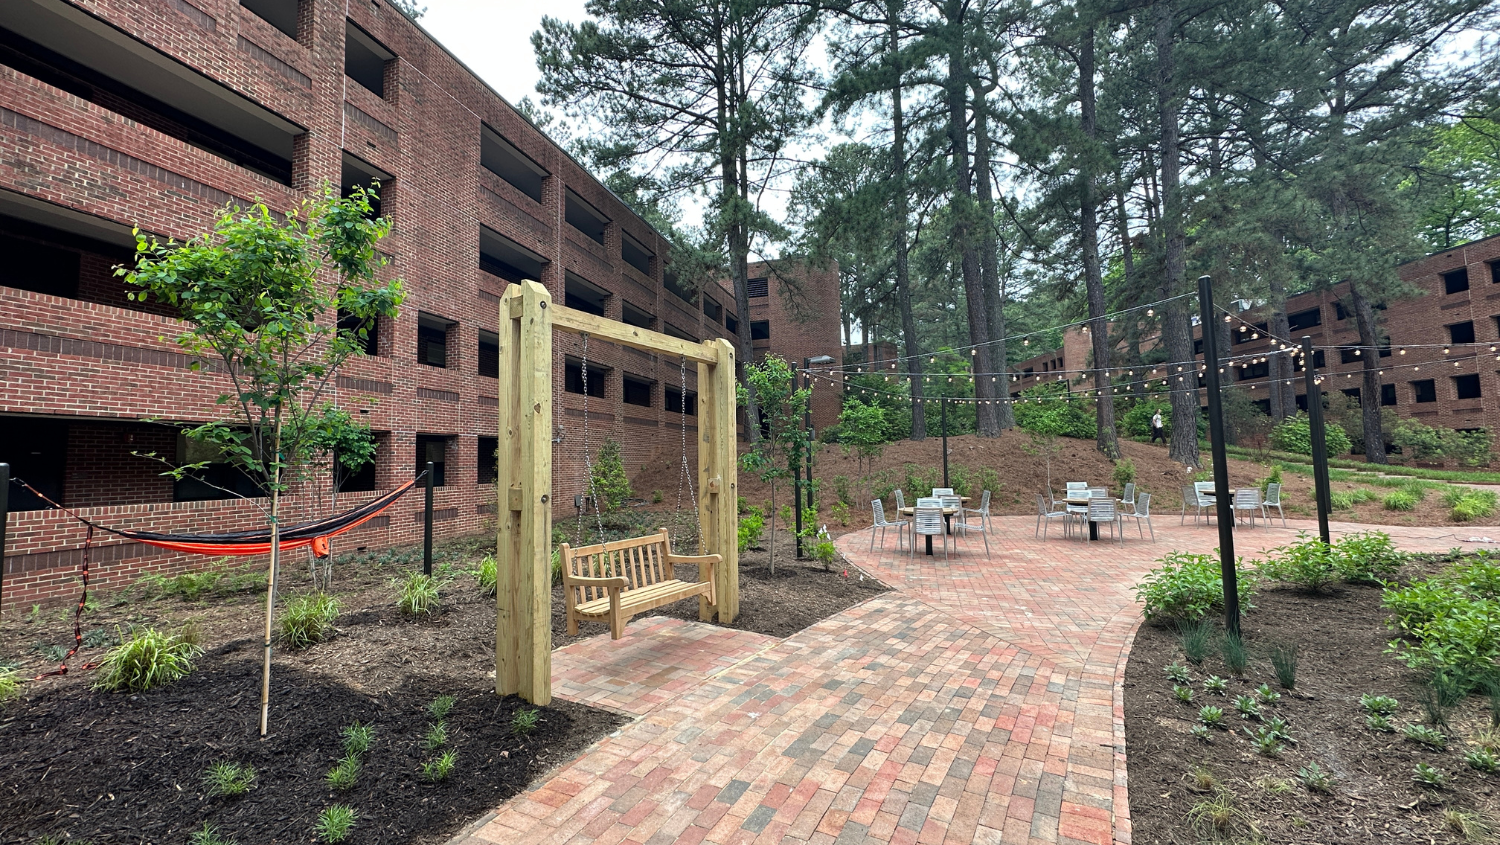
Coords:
pixel 1176 325
pixel 989 268
pixel 730 146
pixel 1088 220
pixel 1364 318
pixel 900 212
pixel 1132 322
pixel 1283 396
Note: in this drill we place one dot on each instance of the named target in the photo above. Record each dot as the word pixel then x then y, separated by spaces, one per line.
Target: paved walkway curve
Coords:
pixel 980 701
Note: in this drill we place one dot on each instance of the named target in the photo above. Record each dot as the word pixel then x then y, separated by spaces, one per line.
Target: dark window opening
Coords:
pixel 584 217
pixel 1259 369
pixel 489 460
pixel 501 158
pixel 760 329
pixel 218 479
pixel 489 354
pixel 1349 354
pixel 635 253
pixel 1387 395
pixel 282 14
pixel 573 378
pixel 583 296
pixel 1028 371
pixel 1385 350
pixel 713 310
pixel 65 48
pixel 432 340
pixel 637 391
pixel 677 403
pixel 1461 332
pixel 1264 405
pixel 732 323
pixel 365 59
pixel 1339 311
pixel 1495 272
pixel 1305 319
pixel 356 173
pixel 74 262
pixel 1352 393
pixel 1198 346
pixel 500 256
pixel 38 267
pixel 37 451
pixel 432 448
pixel 361 480
pixel 1467 386
pixel 1302 401
pixel 638 317
pixel 678 333
pixel 366 331
pixel 1424 390
pixel 1456 281
pixel 674 286
pixel 1319 361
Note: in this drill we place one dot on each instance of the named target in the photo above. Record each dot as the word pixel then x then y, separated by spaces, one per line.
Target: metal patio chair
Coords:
pixel 1142 513
pixel 1273 500
pixel 1102 511
pixel 928 521
pixel 1044 518
pixel 880 522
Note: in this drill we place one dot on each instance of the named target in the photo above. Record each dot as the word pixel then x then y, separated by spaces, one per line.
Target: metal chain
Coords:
pixel 588 465
pixel 685 473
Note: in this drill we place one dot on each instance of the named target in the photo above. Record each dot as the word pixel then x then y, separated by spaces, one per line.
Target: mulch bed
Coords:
pixel 1341 636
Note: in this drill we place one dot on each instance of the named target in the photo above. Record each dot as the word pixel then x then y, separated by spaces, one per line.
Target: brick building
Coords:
pixel 157 113
pixel 1454 387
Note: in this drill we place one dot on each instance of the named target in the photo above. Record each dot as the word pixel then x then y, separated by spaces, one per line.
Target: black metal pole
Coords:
pixel 4 517
pixel 1223 506
pixel 427 521
pixel 1319 436
pixel 945 442
pixel 797 466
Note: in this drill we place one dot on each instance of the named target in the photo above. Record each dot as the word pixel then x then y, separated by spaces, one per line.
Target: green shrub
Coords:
pixel 1401 500
pixel 840 512
pixel 439 769
pixel 417 594
pixel 1451 622
pixel 1124 472
pixel 1054 411
pixel 1136 422
pixel 1368 556
pixel 610 484
pixel 752 526
pixel 10 684
pixel 825 552
pixel 842 489
pixel 1273 478
pixel 487 575
pixel 1294 434
pixel 1418 441
pixel 335 823
pixel 308 618
pixel 1343 500
pixel 1473 504
pixel 1188 586
pixel 229 778
pixel 148 659
pixel 1471 448
pixel 1307 563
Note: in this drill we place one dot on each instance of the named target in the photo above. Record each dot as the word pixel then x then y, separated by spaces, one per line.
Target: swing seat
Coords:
pixel 617 580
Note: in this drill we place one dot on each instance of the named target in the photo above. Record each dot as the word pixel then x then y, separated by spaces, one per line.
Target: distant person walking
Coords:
pixel 1156 430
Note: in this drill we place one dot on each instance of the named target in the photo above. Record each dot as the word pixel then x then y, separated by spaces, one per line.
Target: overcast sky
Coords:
pixel 493 37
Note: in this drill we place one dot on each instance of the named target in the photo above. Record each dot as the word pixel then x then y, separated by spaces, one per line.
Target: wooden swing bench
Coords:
pixel 611 582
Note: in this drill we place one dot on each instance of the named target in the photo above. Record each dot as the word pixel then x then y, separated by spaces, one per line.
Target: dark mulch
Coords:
pixel 1341 635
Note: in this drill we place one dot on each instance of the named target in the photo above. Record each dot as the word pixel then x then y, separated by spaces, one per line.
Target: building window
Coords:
pixel 1461 332
pixel 489 354
pixel 504 258
pixel 433 449
pixel 1456 281
pixel 1247 335
pixel 217 479
pixel 1349 354
pixel 489 460
pixel 1424 390
pixel 673 285
pixel 584 217
pixel 573 378
pixel 1319 361
pixel 1495 272
pixel 1257 369
pixel 282 14
pixel 1339 312
pixel 582 296
pixel 635 253
pixel 755 288
pixel 1387 395
pixel 361 480
pixel 365 59
pixel 1352 393
pixel 638 317
pixel 357 173
pixel 760 329
pixel 1467 386
pixel 501 158
pixel 366 331
pixel 1305 319
pixel 678 333
pixel 637 391
pixel 678 404
pixel 732 323
pixel 713 310
pixel 432 340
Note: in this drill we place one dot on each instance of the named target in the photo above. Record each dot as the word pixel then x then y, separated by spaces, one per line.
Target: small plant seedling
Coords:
pixel 1216 685
pixel 1428 736
pixel 1482 760
pixel 1195 638
pixel 208 835
pixel 334 823
pixel 440 707
pixel 229 778
pixel 1211 716
pixel 1281 728
pixel 1284 662
pixel 525 721
pixel 439 769
pixel 1265 695
pixel 1246 707
pixel 1236 655
pixel 1217 817
pixel 10 684
pixel 1202 732
pixel 357 738
pixel 1471 826
pixel 1315 779
pixel 1380 705
pixel 1427 776
pixel 487 575
pixel 1178 673
pixel 1267 742
pixel 437 736
pixel 1204 780
pixel 1273 786
pixel 343 775
pixel 1379 724
pixel 1182 693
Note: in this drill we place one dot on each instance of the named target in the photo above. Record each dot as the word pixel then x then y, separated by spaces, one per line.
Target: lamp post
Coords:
pixel 800 485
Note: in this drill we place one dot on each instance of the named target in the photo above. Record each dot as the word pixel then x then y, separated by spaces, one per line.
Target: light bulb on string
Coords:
pixel 1403 352
pixel 1445 350
pixel 1150 312
pixel 1228 319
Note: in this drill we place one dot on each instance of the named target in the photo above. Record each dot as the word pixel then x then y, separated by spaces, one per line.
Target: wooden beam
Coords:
pixel 568 319
pixel 523 605
pixel 718 478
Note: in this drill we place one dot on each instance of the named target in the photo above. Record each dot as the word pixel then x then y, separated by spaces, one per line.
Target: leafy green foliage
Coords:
pixel 1189 586
pixel 1382 705
pixel 609 484
pixel 439 707
pixel 1471 504
pixel 440 768
pixel 1177 672
pixel 752 526
pixel 1268 743
pixel 1216 685
pixel 1201 732
pixel 1343 500
pixel 1136 422
pixel 1182 693
pixel 1428 736
pixel 357 738
pixel 436 736
pixel 782 405
pixel 825 552
pixel 1425 775
pixel 1294 434
pixel 1050 409
pixel 1315 779
pixel 208 835
pixel 1123 473
pixel 308 618
pixel 148 659
pixel 486 576
pixel 1379 723
pixel 840 512
pixel 1195 637
pixel 1450 622
pixel 343 775
pixel 1265 695
pixel 1247 707
pixel 417 594
pixel 229 778
pixel 1211 716
pixel 1308 563
pixel 335 823
pixel 525 721
pixel 1481 759
pixel 10 684
pixel 1401 500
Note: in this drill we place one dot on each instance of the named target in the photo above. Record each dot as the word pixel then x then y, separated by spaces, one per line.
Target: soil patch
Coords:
pixel 1341 637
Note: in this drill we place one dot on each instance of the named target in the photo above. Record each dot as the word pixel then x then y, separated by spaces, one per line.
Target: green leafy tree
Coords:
pixel 609 483
pixel 782 405
pixel 862 431
pixel 260 297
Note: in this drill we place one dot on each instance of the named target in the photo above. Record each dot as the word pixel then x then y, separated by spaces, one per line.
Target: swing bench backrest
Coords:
pixel 616 580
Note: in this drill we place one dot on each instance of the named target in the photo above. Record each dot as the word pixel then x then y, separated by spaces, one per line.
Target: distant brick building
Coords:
pixel 797 318
pixel 157 113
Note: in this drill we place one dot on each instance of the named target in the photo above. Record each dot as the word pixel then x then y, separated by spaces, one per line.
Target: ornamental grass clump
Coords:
pixel 308 619
pixel 417 594
pixel 487 575
pixel 1284 662
pixel 150 658
pixel 1197 638
pixel 229 779
pixel 1188 587
pixel 335 823
pixel 10 684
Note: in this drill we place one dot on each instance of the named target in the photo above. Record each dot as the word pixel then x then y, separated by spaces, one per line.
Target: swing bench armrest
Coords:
pixel 606 583
pixel 701 560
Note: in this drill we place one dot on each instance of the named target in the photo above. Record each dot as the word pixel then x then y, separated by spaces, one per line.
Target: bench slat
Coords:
pixel 644 598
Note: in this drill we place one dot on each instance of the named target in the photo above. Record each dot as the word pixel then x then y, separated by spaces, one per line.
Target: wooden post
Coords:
pixel 523 605
pixel 718 478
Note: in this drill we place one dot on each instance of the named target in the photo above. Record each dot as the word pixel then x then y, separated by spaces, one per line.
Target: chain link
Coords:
pixel 588 464
pixel 686 473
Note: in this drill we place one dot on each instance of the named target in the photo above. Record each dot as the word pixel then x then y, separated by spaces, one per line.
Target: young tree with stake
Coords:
pixel 782 405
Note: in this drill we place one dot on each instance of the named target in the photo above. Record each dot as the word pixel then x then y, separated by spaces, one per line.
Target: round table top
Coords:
pixel 909 509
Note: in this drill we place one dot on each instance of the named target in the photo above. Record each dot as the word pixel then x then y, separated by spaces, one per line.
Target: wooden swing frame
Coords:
pixel 523 605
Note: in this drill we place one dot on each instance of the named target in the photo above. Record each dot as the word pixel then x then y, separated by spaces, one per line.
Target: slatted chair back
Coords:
pixel 1099 493
pixel 1078 485
pixel 942 491
pixel 1273 493
pixel 1143 506
pixel 639 560
pixel 929 502
pixel 984 503
pixel 1247 497
pixel 1128 498
pixel 879 508
pixel 1101 510
pixel 951 502
pixel 1190 497
pixel 900 499
pixel 1041 505
pixel 928 520
pixel 1203 488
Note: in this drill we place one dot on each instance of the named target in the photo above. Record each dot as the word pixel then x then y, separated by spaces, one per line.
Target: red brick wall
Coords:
pixel 802 305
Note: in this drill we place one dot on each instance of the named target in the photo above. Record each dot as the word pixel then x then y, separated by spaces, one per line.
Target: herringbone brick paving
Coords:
pixel 978 702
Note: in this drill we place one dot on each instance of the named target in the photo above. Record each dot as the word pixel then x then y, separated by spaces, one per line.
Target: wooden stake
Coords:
pixel 265 675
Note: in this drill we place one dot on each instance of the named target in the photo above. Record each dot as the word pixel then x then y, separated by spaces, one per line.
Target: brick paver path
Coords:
pixel 978 702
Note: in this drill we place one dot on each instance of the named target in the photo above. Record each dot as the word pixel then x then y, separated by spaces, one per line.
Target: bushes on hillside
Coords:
pixel 1050 409
pixel 1294 434
pixel 1422 442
